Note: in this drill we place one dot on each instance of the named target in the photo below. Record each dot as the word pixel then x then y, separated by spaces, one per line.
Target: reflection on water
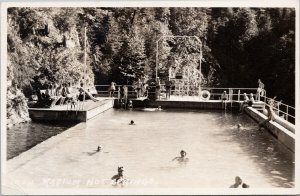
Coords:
pixel 26 135
pixel 274 159
pixel 217 151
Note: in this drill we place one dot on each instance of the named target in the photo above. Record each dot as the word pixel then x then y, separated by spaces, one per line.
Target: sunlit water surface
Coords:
pixel 216 149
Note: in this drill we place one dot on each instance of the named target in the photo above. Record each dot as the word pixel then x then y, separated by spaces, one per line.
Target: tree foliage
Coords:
pixel 239 45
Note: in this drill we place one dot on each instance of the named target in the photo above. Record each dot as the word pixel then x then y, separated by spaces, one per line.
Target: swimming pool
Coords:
pixel 216 149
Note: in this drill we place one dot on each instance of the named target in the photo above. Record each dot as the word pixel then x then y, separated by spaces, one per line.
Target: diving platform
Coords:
pixel 82 112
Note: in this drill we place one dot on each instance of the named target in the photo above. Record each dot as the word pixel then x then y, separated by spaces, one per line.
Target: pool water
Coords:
pixel 26 135
pixel 217 152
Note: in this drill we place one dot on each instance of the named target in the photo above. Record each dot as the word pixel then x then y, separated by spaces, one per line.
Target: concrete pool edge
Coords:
pixel 283 135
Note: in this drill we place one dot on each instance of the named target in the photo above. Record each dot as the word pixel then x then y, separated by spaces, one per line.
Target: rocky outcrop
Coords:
pixel 17 109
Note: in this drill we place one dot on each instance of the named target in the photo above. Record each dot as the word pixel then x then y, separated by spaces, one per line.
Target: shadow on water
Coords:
pixel 24 136
pixel 275 160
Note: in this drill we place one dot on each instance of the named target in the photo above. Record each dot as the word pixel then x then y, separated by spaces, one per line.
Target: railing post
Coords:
pixel 119 94
pixel 239 93
pixel 230 96
pixel 287 113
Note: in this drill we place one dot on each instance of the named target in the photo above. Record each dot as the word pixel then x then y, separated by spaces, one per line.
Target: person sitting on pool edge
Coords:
pixel 83 94
pixel 238 182
pixel 182 158
pixel 247 102
pixel 270 116
pixel 252 98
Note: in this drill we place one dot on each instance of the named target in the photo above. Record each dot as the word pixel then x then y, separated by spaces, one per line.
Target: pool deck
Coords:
pixel 82 112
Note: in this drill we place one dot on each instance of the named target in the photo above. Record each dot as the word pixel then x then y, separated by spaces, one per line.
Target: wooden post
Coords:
pixel 239 93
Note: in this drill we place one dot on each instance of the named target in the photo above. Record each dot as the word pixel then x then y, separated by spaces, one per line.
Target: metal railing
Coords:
pixel 282 110
pixel 103 90
pixel 234 94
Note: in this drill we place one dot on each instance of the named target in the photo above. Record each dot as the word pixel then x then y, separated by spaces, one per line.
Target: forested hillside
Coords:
pixel 240 45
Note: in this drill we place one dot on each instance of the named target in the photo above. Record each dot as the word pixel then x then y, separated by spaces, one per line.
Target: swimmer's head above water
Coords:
pixel 238 180
pixel 120 170
pixel 244 185
pixel 132 122
pixel 99 148
pixel 182 153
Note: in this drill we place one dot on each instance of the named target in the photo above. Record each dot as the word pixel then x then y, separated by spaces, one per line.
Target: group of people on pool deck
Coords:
pixel 62 94
pixel 247 101
pixel 140 88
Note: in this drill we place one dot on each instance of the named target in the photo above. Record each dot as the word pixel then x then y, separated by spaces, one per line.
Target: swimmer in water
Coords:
pixel 244 185
pixel 99 148
pixel 118 178
pixel 238 182
pixel 182 158
pixel 131 122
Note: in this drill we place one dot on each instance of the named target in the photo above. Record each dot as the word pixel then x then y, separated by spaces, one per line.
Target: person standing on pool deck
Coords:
pixel 260 90
pixel 112 89
pixel 157 88
pixel 224 98
pixel 168 88
pixel 138 88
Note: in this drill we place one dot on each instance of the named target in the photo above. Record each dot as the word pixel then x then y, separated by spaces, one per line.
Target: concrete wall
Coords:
pixel 39 114
pixel 285 136
pixel 211 104
pixel 57 115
